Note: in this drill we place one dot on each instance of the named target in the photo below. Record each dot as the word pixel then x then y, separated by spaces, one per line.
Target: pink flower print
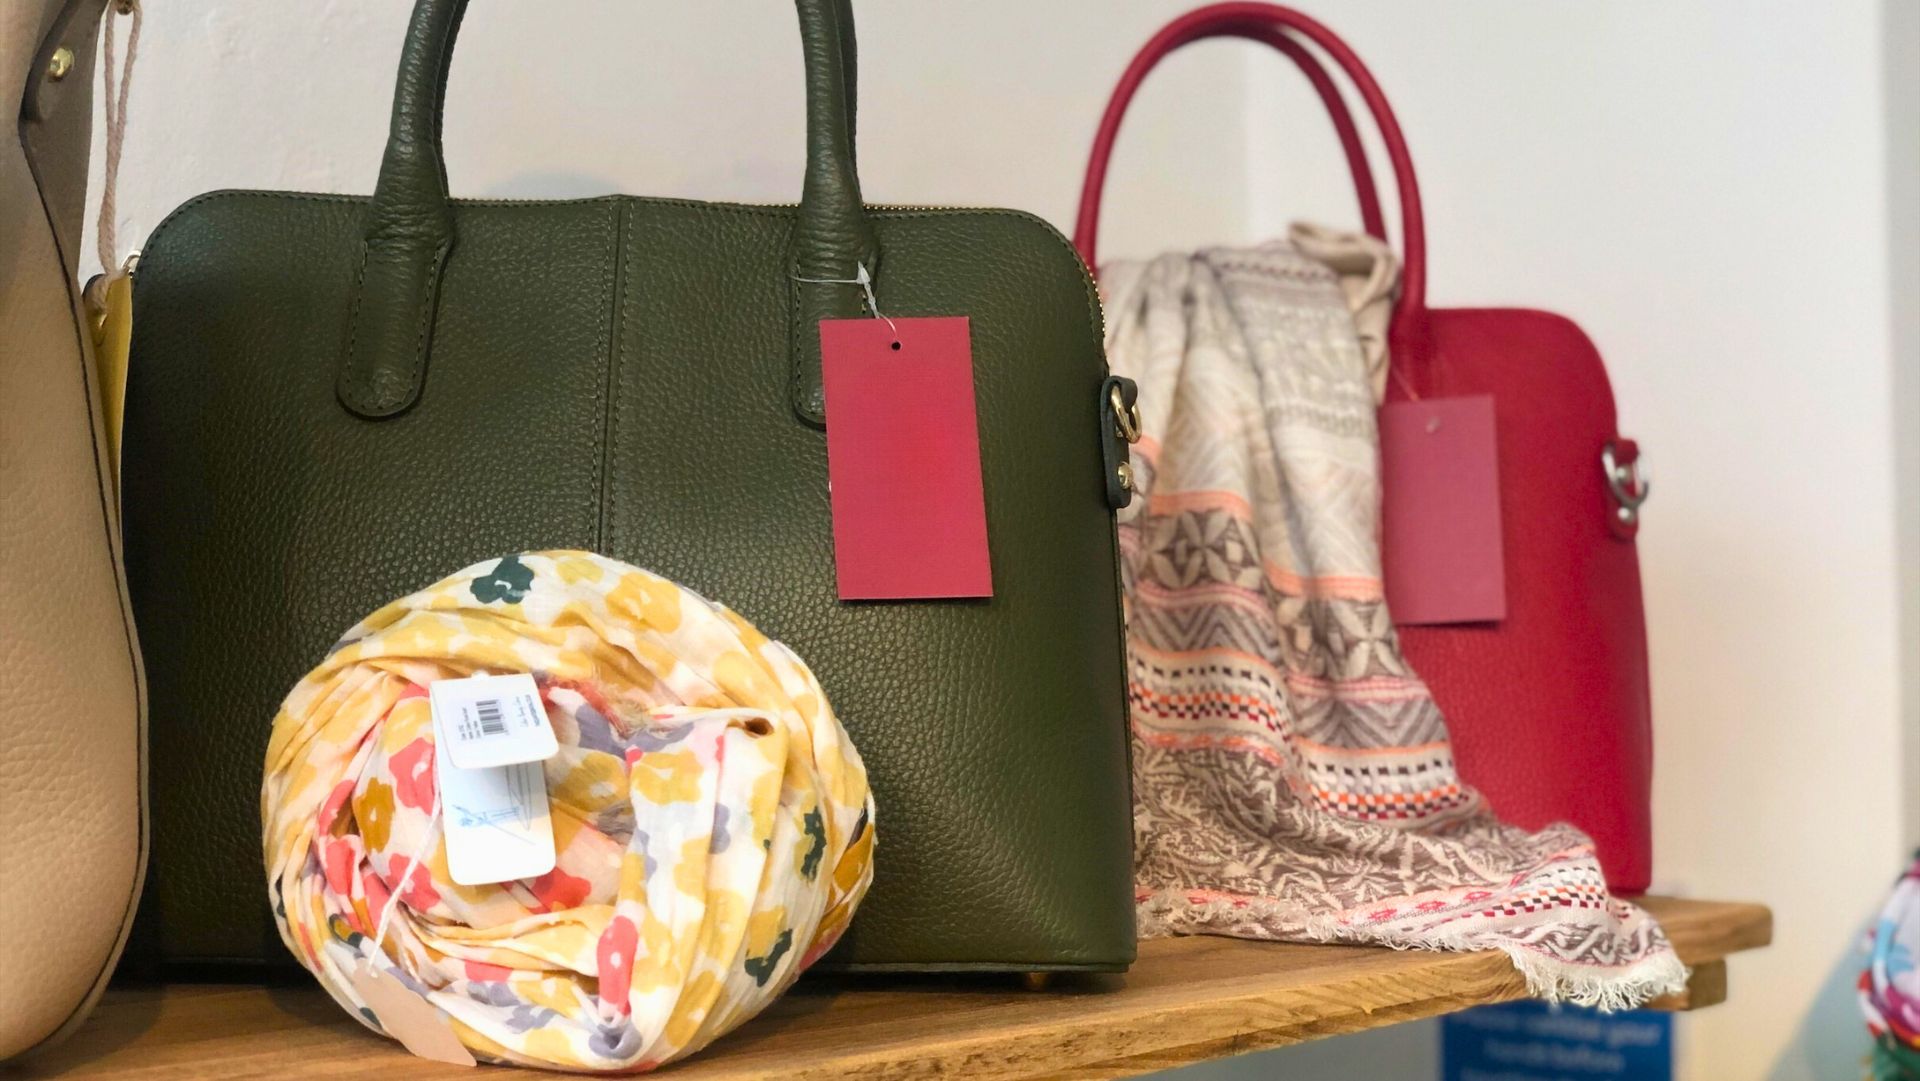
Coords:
pixel 378 896
pixel 330 807
pixel 338 857
pixel 634 754
pixel 482 972
pixel 615 954
pixel 586 690
pixel 420 894
pixel 412 768
pixel 558 890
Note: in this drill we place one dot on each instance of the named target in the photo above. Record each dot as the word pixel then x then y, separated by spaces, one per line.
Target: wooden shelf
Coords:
pixel 1186 1000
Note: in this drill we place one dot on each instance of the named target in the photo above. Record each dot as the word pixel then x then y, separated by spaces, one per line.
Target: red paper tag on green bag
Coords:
pixel 903 459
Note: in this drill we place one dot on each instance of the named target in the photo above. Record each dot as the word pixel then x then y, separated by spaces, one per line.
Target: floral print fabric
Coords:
pixel 712 821
pixel 1890 985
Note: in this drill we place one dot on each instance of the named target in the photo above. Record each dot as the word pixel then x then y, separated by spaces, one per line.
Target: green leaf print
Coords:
pixel 816 829
pixel 508 581
pixel 761 968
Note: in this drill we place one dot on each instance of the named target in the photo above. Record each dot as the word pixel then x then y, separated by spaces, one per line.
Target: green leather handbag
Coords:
pixel 335 401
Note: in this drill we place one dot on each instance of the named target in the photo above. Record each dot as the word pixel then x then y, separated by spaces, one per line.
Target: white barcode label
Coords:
pixel 491 722
pixel 487 721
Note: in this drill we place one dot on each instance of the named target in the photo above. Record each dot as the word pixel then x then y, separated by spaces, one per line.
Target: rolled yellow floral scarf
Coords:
pixel 712 821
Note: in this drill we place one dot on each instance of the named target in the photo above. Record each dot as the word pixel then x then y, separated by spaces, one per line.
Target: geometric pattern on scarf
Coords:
pixel 1292 775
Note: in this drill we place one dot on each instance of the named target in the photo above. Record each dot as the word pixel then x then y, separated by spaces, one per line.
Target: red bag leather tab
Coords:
pixel 903 459
pixel 1440 486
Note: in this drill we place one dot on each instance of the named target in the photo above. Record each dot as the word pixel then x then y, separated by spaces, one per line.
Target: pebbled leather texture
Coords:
pixel 1576 747
pixel 618 374
pixel 72 831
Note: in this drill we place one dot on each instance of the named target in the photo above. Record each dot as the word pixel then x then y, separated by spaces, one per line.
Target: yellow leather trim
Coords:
pixel 112 321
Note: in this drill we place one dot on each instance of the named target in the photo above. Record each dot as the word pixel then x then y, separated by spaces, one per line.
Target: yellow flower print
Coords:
pixel 408 720
pixel 764 928
pixel 633 874
pixel 692 1008
pixel 593 783
pixel 690 873
pixel 663 777
pixel 727 920
pixel 656 660
pixel 552 1045
pixel 576 569
pixel 558 994
pixel 655 600
pixel 766 805
pixel 373 811
pixel 422 634
pixel 655 964
pixel 750 635
pixel 749 684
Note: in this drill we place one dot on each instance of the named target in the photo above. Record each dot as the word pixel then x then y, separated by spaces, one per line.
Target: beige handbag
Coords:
pixel 72 742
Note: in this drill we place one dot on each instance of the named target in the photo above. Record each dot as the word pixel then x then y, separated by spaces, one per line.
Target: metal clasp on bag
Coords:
pixel 1126 418
pixel 1119 411
pixel 1628 480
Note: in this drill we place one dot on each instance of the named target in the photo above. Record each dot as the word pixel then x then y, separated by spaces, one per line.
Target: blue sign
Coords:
pixel 1533 1041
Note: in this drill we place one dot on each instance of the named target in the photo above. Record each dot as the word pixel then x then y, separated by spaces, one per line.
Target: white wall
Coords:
pixel 981 103
pixel 1726 194
pixel 1703 185
pixel 1901 78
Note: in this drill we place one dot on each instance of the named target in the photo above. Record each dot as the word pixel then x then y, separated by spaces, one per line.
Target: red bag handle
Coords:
pixel 1275 26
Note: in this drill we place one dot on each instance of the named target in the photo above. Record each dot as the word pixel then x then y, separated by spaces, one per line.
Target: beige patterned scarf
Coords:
pixel 1292 776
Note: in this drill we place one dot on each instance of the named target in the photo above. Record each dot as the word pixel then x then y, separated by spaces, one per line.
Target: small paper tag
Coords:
pixel 497 822
pixel 1440 481
pixel 487 721
pixel 418 1024
pixel 903 459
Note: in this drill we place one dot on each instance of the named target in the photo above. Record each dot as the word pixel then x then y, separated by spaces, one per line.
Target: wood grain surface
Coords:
pixel 1186 1000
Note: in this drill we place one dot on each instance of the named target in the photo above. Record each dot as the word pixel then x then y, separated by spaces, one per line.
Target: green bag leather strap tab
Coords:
pixel 410 228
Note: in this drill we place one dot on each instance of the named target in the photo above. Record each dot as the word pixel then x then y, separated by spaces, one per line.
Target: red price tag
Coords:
pixel 903 459
pixel 1440 478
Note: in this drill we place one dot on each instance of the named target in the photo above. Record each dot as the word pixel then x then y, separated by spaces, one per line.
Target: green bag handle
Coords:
pixel 410 227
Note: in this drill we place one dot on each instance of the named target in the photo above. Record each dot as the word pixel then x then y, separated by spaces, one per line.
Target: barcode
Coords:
pixel 492 721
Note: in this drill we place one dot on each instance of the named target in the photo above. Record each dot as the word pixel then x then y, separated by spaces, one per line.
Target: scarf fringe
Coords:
pixel 1170 912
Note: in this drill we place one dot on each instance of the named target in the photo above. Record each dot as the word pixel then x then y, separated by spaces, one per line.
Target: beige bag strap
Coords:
pixel 109 295
pixel 117 85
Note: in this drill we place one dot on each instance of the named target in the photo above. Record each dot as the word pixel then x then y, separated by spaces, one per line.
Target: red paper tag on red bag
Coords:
pixel 903 459
pixel 1440 480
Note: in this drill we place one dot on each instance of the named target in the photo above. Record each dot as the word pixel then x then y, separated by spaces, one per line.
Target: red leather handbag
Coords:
pixel 1548 707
